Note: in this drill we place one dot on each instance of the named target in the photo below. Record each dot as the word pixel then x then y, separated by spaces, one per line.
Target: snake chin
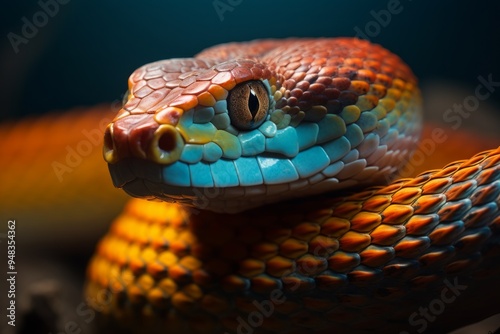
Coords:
pixel 173 183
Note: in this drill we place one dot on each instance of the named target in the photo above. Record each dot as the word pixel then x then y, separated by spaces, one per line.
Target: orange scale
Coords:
pixel 447 171
pixel 493 159
pixel 421 224
pixel 396 214
pixel 178 273
pixel 418 181
pixel 305 231
pixel 298 284
pixel 264 284
pixel 183 302
pixel 310 265
pixel 279 266
pixel 406 195
pixel 387 235
pixel 264 250
pixel 390 189
pixel 196 88
pixel 266 73
pixel 207 75
pixel 377 90
pixel 429 203
pixel 359 87
pixel 446 234
pixel 135 294
pixel 436 185
pixel 251 267
pixel 218 92
pixel 157 297
pixel 398 84
pixel 362 275
pixel 323 246
pixel 356 62
pixel 487 176
pixel 137 266
pixel 383 80
pixel 169 115
pixel 242 74
pixel 225 80
pixel 335 227
pixel 354 242
pixel 465 173
pixel 293 248
pixel 206 99
pixel 461 190
pixel 438 257
pixel 256 72
pixel 156 269
pixel 185 102
pixel 376 203
pixel 366 75
pixel 410 247
pixel 234 283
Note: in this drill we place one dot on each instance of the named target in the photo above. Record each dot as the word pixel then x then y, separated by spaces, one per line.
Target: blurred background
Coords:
pixel 60 55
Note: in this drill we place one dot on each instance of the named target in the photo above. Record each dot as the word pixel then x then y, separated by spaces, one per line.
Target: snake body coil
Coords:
pixel 242 126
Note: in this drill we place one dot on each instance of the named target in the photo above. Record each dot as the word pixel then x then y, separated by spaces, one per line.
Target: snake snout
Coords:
pixel 139 136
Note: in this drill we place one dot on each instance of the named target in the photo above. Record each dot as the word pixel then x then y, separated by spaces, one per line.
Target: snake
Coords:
pixel 268 199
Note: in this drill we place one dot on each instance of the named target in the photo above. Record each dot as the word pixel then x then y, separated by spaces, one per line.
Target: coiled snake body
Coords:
pixel 229 133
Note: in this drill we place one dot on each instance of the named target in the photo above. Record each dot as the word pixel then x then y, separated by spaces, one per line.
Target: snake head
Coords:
pixel 241 125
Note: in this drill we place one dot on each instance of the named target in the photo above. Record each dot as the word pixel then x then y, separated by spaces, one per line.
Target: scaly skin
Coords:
pixel 343 112
pixel 364 261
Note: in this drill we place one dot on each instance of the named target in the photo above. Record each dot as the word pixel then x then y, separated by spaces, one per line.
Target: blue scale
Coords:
pixel 177 174
pixel 201 175
pixel 307 134
pixel 248 170
pixel 224 173
pixel 284 142
pixel 275 170
pixel 337 148
pixel 311 161
pixel 252 142
pixel 192 153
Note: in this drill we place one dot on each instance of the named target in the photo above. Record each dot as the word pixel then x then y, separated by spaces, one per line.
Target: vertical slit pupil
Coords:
pixel 253 103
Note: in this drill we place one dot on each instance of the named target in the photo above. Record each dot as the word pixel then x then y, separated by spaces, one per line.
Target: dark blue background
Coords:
pixel 85 53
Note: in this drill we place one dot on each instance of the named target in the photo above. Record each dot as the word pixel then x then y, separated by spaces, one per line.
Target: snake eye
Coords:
pixel 247 105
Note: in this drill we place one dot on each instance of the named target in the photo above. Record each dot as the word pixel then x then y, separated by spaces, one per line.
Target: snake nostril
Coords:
pixel 167 141
pixel 167 145
pixel 109 145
